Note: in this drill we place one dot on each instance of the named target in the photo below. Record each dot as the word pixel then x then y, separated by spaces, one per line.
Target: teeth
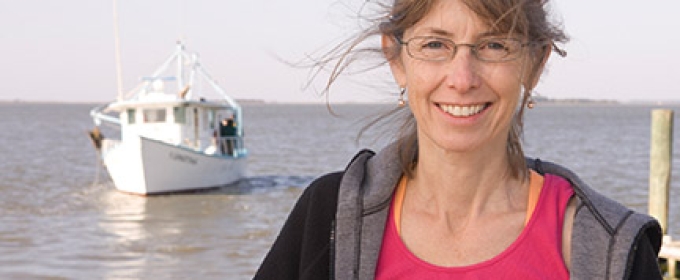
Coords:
pixel 462 111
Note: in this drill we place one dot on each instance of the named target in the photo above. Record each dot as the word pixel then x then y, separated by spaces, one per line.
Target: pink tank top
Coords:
pixel 536 254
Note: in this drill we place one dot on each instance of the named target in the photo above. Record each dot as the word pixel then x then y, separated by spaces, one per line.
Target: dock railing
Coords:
pixel 660 166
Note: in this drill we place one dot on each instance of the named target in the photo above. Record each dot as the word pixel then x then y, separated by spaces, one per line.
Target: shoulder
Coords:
pixel 608 212
pixel 324 189
pixel 606 234
pixel 327 180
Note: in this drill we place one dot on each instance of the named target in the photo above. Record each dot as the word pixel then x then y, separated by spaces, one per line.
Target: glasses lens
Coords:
pixel 431 48
pixel 498 49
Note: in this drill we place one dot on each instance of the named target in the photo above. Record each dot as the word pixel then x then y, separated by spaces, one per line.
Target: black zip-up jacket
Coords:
pixel 335 229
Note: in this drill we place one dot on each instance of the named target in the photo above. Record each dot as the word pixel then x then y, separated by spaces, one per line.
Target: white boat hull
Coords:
pixel 144 166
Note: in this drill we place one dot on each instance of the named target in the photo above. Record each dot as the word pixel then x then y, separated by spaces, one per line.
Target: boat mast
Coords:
pixel 180 65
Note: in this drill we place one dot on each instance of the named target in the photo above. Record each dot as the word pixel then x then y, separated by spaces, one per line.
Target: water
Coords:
pixel 60 217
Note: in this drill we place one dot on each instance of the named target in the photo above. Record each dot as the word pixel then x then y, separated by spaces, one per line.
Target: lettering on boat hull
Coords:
pixel 183 158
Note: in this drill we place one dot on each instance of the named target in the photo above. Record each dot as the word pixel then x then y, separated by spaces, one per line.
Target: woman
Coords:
pixel 454 197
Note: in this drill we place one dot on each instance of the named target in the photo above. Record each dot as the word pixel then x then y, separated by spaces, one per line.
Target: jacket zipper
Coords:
pixel 332 252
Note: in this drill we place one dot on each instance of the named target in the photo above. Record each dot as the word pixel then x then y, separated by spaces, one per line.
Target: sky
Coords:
pixel 64 51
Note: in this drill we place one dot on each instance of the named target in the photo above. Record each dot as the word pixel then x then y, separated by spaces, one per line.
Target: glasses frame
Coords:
pixel 473 48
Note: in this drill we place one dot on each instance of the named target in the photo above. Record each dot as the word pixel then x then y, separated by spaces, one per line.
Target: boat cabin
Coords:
pixel 196 125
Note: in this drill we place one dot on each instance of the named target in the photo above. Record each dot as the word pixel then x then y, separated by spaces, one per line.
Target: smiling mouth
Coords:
pixel 463 111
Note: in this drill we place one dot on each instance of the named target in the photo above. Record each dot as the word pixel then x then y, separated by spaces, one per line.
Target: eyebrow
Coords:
pixel 440 32
pixel 444 33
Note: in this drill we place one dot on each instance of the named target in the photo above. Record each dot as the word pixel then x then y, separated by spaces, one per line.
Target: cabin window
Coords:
pixel 131 116
pixel 211 119
pixel 180 114
pixel 154 115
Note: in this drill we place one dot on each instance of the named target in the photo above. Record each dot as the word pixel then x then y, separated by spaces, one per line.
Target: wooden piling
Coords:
pixel 661 156
pixel 660 164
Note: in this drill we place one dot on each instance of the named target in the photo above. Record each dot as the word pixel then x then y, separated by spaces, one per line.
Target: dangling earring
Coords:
pixel 402 102
pixel 529 97
pixel 531 103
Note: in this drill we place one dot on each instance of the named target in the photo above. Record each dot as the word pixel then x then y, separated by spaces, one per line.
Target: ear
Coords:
pixel 391 50
pixel 547 50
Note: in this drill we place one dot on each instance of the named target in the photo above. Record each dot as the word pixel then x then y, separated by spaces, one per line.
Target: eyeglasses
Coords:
pixel 432 48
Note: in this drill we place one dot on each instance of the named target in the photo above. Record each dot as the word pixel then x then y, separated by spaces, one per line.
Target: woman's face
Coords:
pixel 461 104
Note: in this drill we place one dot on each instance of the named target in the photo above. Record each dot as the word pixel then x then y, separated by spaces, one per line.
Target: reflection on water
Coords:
pixel 123 223
pixel 191 235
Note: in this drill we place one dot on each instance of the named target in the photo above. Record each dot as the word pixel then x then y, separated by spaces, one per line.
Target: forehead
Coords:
pixel 450 18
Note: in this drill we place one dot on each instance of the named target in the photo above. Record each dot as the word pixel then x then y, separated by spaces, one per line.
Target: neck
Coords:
pixel 470 183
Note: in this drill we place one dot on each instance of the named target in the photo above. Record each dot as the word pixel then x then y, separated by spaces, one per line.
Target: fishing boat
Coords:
pixel 179 131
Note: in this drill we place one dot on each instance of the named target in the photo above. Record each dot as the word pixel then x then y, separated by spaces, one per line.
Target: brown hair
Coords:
pixel 526 18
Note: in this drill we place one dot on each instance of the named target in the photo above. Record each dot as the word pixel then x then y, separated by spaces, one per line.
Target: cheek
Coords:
pixel 506 81
pixel 421 79
pixel 506 84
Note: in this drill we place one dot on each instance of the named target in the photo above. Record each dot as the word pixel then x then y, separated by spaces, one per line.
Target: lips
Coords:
pixel 463 110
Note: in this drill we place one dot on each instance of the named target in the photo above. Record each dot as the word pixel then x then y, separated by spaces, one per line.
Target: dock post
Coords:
pixel 660 164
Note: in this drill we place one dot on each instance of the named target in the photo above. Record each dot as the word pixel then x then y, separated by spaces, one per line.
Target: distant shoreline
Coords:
pixel 581 101
pixel 538 100
pixel 546 100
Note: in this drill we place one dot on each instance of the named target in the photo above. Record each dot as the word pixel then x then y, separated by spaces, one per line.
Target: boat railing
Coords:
pixel 231 145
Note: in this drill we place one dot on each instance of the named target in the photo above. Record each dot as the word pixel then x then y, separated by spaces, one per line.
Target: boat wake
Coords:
pixel 261 184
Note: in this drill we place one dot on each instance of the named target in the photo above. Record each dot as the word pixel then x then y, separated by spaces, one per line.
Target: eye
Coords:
pixel 494 44
pixel 434 44
pixel 498 49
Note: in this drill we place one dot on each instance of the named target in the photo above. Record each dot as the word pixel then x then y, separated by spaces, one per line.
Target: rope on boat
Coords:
pixel 97 169
pixel 96 136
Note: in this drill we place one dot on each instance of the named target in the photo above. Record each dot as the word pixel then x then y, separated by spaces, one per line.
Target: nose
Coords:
pixel 461 71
